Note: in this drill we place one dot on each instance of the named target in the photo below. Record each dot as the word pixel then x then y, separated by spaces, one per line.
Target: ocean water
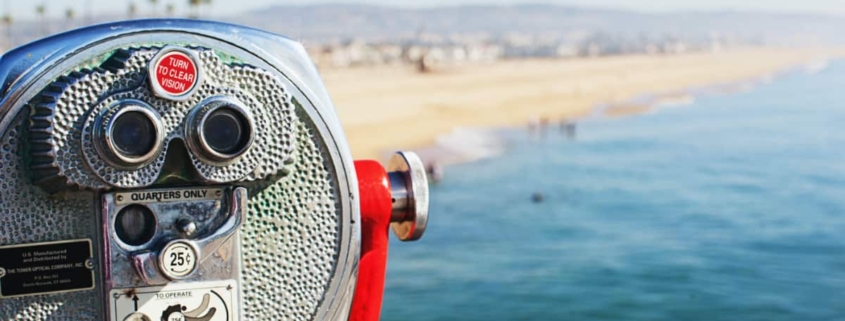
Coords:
pixel 729 208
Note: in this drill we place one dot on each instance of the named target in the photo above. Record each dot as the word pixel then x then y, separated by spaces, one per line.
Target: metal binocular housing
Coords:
pixel 181 170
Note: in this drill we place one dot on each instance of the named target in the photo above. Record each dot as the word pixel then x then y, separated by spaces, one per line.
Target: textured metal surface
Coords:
pixel 63 108
pixel 29 215
pixel 301 232
pixel 291 241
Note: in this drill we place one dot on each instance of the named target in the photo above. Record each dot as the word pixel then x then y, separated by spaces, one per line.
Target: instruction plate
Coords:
pixel 207 301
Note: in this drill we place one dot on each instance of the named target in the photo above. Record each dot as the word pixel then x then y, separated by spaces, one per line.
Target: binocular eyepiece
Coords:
pixel 181 170
pixel 129 135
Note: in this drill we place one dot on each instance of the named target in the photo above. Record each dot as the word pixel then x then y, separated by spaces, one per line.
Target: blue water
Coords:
pixel 732 208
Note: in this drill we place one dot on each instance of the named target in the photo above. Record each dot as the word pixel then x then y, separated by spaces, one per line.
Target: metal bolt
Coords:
pixel 187 228
pixel 2 272
pixel 120 198
pixel 89 264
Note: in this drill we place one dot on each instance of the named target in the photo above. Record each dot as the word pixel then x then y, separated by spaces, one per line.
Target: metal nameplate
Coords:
pixel 207 301
pixel 168 195
pixel 46 268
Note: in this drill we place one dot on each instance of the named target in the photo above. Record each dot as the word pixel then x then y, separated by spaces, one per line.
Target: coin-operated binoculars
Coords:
pixel 172 170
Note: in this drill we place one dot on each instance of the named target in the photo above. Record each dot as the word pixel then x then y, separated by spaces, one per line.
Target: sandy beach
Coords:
pixel 395 107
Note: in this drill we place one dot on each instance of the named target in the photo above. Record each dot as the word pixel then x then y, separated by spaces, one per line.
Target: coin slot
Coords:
pixel 135 225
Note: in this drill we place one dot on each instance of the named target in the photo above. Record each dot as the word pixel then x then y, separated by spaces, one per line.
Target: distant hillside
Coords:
pixel 323 22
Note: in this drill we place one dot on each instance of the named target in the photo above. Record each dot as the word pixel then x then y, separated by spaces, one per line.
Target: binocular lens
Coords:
pixel 128 134
pixel 135 225
pixel 220 130
pixel 134 134
pixel 226 131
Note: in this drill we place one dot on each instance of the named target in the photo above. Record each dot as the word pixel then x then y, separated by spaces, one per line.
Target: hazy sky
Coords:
pixel 22 9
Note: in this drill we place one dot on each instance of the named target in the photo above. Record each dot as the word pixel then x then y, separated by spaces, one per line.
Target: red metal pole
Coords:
pixel 376 207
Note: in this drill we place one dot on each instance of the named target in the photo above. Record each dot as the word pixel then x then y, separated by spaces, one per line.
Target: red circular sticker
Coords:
pixel 176 73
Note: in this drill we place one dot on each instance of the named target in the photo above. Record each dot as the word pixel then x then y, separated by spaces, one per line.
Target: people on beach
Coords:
pixel 537 127
pixel 568 128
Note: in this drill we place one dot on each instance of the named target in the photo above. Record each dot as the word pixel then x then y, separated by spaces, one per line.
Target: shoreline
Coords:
pixel 470 144
pixel 391 108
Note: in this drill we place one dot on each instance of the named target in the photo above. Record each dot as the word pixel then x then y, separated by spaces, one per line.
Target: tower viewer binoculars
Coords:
pixel 179 170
